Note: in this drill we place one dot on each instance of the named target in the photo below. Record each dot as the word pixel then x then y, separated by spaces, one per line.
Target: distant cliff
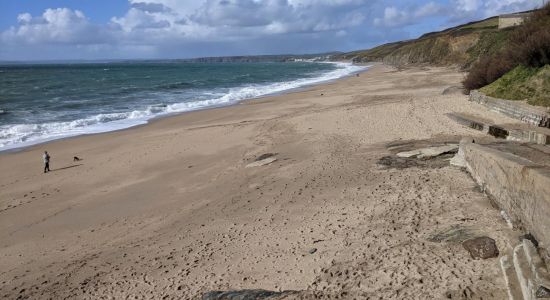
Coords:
pixel 265 58
pixel 461 45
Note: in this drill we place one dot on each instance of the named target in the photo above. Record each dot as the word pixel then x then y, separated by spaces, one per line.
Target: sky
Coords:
pixel 157 29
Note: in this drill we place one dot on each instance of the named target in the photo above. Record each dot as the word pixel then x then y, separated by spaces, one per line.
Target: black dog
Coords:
pixel 76 158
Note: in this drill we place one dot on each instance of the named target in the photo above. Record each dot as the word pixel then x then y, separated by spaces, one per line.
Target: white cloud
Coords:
pixel 244 13
pixel 59 25
pixel 150 7
pixel 24 18
pixel 467 5
pixel 468 10
pixel 176 28
pixel 394 17
pixel 136 19
pixel 429 9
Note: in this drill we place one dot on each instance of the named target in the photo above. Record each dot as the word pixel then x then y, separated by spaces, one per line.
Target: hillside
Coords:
pixel 520 69
pixel 461 45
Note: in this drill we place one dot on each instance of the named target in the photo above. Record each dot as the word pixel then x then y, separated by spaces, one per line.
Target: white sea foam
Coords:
pixel 21 135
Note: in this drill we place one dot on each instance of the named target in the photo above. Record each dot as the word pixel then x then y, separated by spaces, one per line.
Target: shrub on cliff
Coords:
pixel 528 45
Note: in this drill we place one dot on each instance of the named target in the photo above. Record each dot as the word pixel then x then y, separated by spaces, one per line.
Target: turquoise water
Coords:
pixel 45 102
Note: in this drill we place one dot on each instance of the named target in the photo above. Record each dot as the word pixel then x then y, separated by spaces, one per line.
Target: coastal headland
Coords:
pixel 188 204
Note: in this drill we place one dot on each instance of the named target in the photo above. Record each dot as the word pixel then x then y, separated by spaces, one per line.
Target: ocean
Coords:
pixel 44 102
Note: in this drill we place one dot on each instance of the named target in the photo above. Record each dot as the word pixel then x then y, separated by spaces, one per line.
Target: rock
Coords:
pixel 436 151
pixel 245 295
pixel 394 162
pixel 429 152
pixel 542 292
pixel 481 247
pixel 264 156
pixel 408 154
pixel 262 162
pixel 312 250
pixel 531 238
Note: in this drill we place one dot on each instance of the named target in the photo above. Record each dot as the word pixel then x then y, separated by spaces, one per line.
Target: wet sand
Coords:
pixel 171 210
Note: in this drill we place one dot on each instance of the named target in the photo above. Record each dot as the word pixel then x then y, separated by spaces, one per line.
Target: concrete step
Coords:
pixel 539 281
pixel 514 132
pixel 511 279
pixel 517 178
pixel 526 275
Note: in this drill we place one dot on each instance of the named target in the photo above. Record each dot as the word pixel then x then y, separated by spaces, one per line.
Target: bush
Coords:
pixel 528 45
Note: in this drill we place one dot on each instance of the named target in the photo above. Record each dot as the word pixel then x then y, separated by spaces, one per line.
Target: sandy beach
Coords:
pixel 170 210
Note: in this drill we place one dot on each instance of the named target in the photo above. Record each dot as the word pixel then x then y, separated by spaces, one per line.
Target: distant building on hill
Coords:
pixel 510 20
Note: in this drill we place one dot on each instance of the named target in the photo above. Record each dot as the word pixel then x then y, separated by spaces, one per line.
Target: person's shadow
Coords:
pixel 68 167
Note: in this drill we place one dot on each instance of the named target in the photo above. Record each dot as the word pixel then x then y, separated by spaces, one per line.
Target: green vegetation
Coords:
pixel 523 83
pixel 520 69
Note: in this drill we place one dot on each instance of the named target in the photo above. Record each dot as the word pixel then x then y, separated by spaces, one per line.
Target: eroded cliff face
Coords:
pixel 442 50
pixel 460 46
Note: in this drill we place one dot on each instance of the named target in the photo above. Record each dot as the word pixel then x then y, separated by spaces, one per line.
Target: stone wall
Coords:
pixel 519 187
pixel 514 109
pixel 505 22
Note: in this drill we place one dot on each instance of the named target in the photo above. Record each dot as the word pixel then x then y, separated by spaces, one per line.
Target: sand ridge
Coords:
pixel 169 210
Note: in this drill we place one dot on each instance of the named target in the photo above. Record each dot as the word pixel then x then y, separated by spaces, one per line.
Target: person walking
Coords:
pixel 46 158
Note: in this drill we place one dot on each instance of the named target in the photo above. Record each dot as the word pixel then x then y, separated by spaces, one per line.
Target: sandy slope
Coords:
pixel 169 209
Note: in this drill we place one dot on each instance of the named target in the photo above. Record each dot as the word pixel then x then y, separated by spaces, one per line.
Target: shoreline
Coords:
pixel 174 208
pixel 45 141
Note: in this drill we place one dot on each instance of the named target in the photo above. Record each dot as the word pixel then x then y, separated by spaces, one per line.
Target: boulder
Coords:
pixel 262 162
pixel 264 156
pixel 481 247
pixel 429 152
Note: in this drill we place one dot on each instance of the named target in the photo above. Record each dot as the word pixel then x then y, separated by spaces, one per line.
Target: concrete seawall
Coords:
pixel 515 109
pixel 519 187
pixel 519 133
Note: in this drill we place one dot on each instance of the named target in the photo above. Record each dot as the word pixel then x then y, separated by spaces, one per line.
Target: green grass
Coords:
pixel 523 83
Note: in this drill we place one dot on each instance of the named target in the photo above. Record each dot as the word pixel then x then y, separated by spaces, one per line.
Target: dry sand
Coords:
pixel 169 210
